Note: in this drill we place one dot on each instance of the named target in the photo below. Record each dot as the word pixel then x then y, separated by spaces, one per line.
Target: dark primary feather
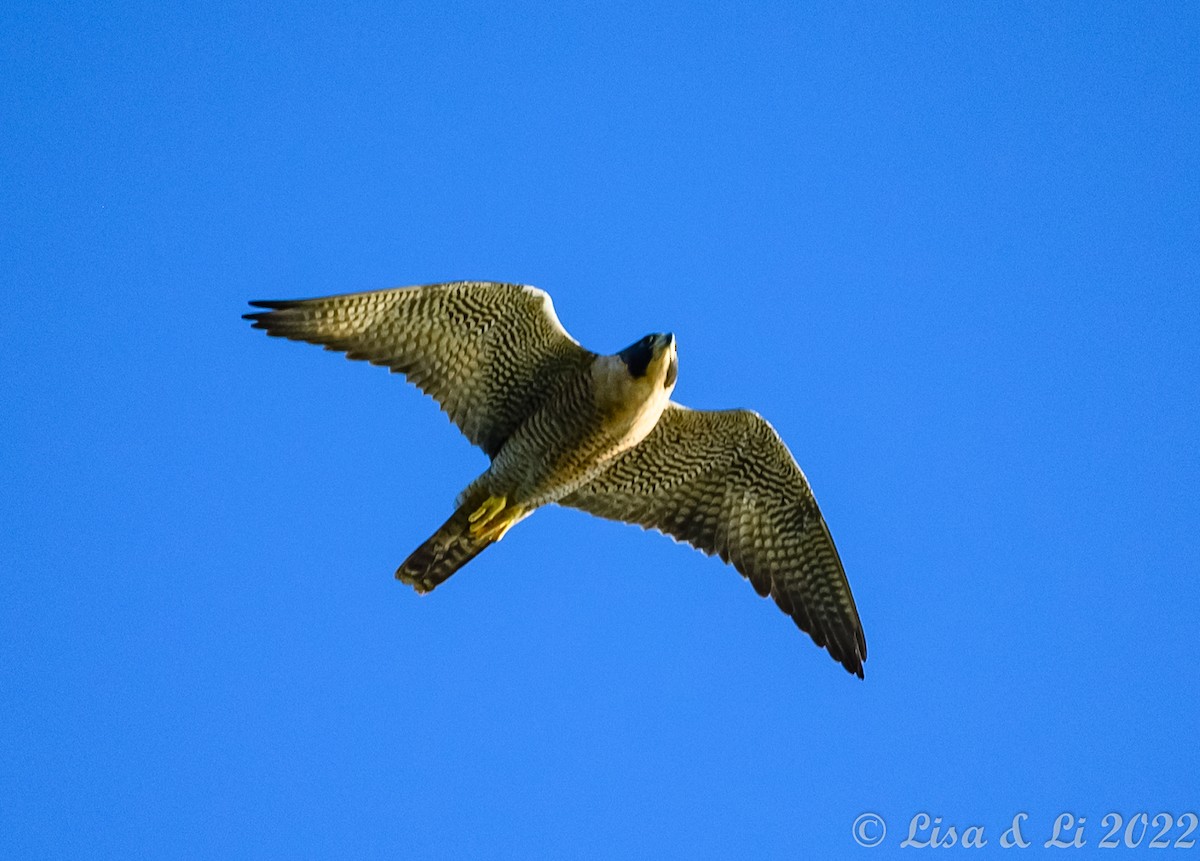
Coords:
pixel 481 349
pixel 725 483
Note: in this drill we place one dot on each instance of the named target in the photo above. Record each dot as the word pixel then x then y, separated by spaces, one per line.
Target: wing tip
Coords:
pixel 260 319
pixel 852 660
pixel 274 319
pixel 832 640
pixel 854 666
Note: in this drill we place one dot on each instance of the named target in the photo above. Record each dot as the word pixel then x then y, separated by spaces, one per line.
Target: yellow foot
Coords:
pixel 493 518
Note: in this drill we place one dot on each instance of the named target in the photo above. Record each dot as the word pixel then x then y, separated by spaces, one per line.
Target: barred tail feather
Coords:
pixel 447 550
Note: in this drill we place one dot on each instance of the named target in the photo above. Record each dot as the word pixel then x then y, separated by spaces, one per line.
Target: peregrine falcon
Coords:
pixel 600 433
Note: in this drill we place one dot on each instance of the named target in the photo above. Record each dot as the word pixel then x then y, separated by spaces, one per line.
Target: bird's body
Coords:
pixel 564 425
pixel 589 416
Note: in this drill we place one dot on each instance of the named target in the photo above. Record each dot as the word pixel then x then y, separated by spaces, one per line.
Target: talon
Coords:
pixel 498 527
pixel 491 506
pixel 491 520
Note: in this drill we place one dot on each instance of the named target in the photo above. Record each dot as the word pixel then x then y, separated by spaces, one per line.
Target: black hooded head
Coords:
pixel 637 356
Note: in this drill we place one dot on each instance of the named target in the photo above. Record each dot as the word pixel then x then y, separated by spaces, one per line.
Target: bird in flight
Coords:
pixel 599 433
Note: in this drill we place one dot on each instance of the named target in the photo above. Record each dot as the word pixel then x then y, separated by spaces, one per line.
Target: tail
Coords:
pixel 447 550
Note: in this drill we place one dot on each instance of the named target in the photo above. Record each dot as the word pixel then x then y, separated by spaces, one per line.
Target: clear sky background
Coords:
pixel 951 251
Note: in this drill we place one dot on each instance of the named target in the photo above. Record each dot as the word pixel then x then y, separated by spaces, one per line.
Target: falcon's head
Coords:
pixel 654 357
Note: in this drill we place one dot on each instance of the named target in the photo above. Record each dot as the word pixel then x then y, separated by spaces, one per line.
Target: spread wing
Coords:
pixel 483 350
pixel 725 483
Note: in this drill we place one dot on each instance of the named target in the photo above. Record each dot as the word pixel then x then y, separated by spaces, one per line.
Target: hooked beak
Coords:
pixel 673 367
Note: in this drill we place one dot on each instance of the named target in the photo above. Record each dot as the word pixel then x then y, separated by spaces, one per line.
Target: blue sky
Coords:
pixel 951 251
